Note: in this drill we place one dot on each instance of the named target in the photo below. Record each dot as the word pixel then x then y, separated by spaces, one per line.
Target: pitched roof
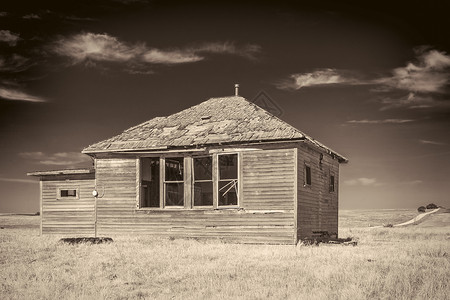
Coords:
pixel 215 121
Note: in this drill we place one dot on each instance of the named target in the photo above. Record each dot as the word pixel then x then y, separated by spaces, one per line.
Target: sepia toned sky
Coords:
pixel 368 79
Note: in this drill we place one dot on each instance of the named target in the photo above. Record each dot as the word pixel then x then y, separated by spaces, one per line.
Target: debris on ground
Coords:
pixel 86 240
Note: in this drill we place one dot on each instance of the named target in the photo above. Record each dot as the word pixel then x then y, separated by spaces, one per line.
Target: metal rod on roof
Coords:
pixel 236 89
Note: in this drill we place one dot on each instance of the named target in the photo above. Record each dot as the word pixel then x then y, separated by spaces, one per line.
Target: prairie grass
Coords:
pixel 388 263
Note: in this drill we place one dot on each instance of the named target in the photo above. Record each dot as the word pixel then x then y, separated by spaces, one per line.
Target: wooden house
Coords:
pixel 224 168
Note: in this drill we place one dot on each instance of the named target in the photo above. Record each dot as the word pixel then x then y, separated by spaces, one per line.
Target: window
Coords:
pixel 150 182
pixel 67 193
pixel 228 179
pixel 331 183
pixel 203 183
pixel 174 181
pixel 307 175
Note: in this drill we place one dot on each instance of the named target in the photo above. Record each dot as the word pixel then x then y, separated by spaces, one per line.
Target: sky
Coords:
pixel 369 79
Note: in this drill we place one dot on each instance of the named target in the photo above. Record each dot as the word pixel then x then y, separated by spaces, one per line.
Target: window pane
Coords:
pixel 68 193
pixel 174 194
pixel 203 193
pixel 308 175
pixel 203 168
pixel 174 168
pixel 228 192
pixel 150 182
pixel 228 166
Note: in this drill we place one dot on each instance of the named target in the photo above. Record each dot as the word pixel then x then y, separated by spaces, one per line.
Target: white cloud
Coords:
pixel 412 182
pixel 318 77
pixel 68 159
pixel 14 63
pixel 3 13
pixel 9 37
pixel 18 180
pixel 103 47
pixel 431 142
pixel 416 85
pixel 430 74
pixel 363 181
pixel 11 94
pixel 385 121
pixel 100 47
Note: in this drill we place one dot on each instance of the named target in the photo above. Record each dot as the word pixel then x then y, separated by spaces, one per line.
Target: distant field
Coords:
pixel 388 263
pixel 361 218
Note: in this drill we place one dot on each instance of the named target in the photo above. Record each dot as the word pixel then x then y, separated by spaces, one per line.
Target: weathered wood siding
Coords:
pixel 68 216
pixel 317 206
pixel 266 213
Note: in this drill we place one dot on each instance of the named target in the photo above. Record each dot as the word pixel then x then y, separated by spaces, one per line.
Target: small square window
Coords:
pixel 66 193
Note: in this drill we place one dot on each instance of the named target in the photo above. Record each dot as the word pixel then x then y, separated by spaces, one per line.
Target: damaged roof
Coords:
pixel 216 121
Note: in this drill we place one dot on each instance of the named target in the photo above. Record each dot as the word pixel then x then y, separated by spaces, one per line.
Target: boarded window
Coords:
pixel 203 184
pixel 332 183
pixel 307 175
pixel 150 176
pixel 228 179
pixel 174 183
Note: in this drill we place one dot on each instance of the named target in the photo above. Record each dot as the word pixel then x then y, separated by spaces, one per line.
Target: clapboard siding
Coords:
pixel 268 179
pixel 317 206
pixel 68 216
pixel 266 214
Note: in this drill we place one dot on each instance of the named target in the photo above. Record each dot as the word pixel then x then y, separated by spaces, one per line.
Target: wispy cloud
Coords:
pixel 18 180
pixel 9 37
pixel 3 13
pixel 431 142
pixel 31 16
pixel 318 77
pixel 419 84
pixel 14 94
pixel 411 182
pixel 363 181
pixel 385 121
pixel 103 47
pixel 14 63
pixel 68 159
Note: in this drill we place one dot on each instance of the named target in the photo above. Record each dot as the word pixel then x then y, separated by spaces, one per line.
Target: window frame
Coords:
pixel 202 180
pixel 163 181
pixel 307 166
pixel 332 183
pixel 59 189
pixel 238 183
pixel 140 195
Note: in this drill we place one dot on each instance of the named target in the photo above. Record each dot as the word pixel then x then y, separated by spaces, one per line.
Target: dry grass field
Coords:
pixel 388 263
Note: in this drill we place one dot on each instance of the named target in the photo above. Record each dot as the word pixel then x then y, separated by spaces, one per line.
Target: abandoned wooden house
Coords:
pixel 224 168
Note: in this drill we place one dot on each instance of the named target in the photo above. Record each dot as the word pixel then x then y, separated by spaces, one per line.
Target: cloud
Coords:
pixel 429 74
pixel 421 83
pixel 57 159
pixel 363 181
pixel 412 182
pixel 103 47
pixel 17 180
pixel 385 121
pixel 31 16
pixel 431 142
pixel 9 37
pixel 319 77
pixel 11 94
pixel 14 63
pixel 3 13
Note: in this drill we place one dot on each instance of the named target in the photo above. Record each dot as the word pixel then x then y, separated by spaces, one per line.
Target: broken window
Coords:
pixel 228 179
pixel 174 181
pixel 331 183
pixel 150 182
pixel 307 175
pixel 203 184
